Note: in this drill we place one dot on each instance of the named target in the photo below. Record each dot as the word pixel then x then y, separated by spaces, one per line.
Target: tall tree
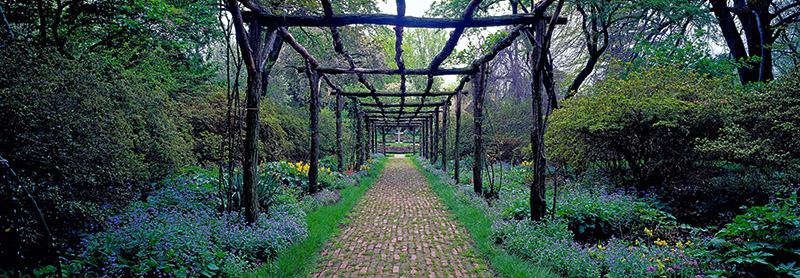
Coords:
pixel 762 22
pixel 611 27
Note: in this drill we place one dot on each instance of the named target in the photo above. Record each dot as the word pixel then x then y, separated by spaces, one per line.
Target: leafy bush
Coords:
pixel 594 214
pixel 88 121
pixel 764 242
pixel 640 128
pixel 762 126
pixel 178 232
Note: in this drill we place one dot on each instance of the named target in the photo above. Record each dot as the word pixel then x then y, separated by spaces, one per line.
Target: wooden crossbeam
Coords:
pixel 398 112
pixel 394 94
pixel 451 71
pixel 270 20
pixel 401 105
pixel 381 117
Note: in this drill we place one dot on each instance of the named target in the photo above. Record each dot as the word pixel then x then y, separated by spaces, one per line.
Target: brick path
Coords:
pixel 400 228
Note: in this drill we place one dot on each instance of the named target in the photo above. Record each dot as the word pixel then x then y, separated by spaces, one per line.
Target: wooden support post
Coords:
pixel 423 145
pixel 430 139
pixel 436 136
pixel 425 141
pixel 313 157
pixel 339 148
pixel 383 133
pixel 368 144
pixel 374 138
pixel 537 194
pixel 253 99
pixel 413 140
pixel 444 136
pixel 359 138
pixel 477 167
pixel 456 153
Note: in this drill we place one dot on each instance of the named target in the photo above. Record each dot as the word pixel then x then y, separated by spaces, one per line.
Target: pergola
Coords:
pixel 382 109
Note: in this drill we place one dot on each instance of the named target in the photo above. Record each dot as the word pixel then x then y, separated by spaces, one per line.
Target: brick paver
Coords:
pixel 400 228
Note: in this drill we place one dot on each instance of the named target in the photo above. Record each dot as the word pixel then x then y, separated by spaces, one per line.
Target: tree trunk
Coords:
pixel 537 194
pixel 436 136
pixel 413 142
pixel 253 99
pixel 456 153
pixel 444 137
pixel 477 167
pixel 748 72
pixel 339 148
pixel 313 158
pixel 359 138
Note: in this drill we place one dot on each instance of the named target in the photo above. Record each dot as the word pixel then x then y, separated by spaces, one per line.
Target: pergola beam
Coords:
pixel 394 94
pixel 401 105
pixel 398 112
pixel 270 20
pixel 451 71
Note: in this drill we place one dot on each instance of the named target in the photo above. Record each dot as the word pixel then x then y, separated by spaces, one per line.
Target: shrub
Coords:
pixel 640 128
pixel 763 242
pixel 762 126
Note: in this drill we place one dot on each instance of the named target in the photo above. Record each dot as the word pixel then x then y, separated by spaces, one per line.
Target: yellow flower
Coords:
pixel 648 231
pixel 601 247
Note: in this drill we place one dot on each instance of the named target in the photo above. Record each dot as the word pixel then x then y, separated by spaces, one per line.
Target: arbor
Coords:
pixel 763 23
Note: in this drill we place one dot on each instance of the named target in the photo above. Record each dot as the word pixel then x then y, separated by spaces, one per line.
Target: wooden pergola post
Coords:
pixel 339 148
pixel 444 135
pixel 359 138
pixel 253 100
pixel 456 153
pixel 313 158
pixel 436 136
pixel 425 139
pixel 478 90
pixel 413 140
pixel 383 140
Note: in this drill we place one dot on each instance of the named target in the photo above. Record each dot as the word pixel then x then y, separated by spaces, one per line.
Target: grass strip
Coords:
pixel 323 223
pixel 480 229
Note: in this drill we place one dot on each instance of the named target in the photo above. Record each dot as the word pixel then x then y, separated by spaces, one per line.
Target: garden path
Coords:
pixel 400 228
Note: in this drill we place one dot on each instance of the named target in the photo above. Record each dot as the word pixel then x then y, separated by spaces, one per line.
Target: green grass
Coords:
pixel 398 144
pixel 480 228
pixel 300 259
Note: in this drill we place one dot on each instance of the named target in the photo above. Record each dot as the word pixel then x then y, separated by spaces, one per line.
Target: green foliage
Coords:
pixel 284 134
pixel 693 53
pixel 507 130
pixel 642 128
pixel 763 242
pixel 762 126
pixel 88 121
pixel 594 214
